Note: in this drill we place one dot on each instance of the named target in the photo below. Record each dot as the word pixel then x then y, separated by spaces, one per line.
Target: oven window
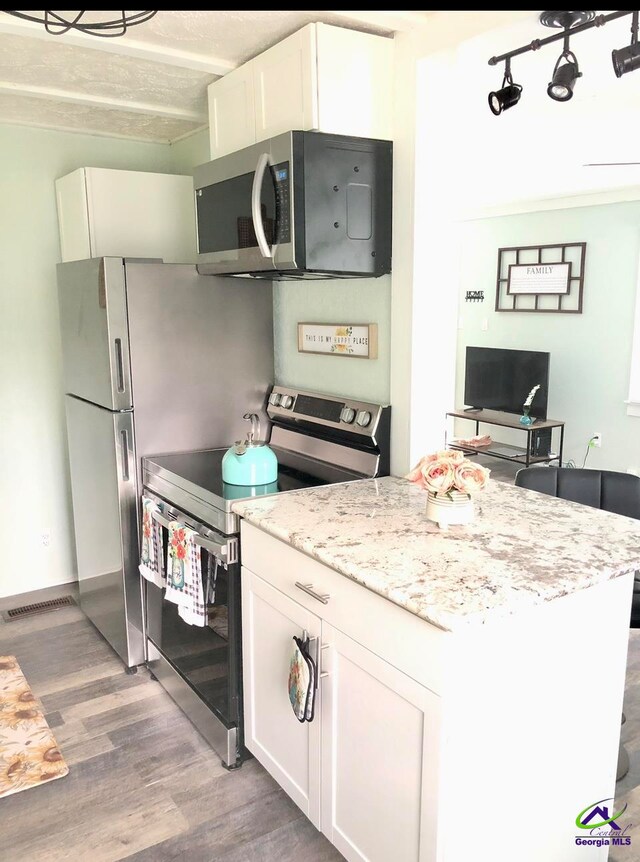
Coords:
pixel 224 214
pixel 202 654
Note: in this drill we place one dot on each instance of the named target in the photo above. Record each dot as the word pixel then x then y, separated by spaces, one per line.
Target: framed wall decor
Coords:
pixel 359 340
pixel 541 278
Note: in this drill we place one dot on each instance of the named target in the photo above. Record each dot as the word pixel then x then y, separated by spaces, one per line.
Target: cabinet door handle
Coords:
pixel 308 589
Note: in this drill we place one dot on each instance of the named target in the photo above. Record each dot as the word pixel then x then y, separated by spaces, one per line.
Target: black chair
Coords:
pixel 602 489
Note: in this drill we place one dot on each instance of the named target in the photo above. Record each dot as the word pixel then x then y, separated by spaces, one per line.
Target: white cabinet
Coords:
pixel 380 739
pixel 288 749
pixel 232 119
pixel 365 770
pixel 322 78
pixel 103 212
pixel 286 85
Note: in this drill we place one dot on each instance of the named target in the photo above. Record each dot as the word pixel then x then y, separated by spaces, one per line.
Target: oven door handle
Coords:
pixel 256 201
pixel 215 548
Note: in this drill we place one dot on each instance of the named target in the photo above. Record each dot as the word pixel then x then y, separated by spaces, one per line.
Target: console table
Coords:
pixel 505 450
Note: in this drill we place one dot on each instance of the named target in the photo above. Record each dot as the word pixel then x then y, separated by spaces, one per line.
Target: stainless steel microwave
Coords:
pixel 301 205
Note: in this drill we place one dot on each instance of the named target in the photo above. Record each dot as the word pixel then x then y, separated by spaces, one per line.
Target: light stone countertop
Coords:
pixel 523 547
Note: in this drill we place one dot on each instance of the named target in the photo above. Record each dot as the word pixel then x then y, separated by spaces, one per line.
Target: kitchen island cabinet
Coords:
pixel 472 680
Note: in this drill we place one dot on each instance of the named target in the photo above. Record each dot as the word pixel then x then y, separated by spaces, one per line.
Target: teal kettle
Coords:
pixel 250 462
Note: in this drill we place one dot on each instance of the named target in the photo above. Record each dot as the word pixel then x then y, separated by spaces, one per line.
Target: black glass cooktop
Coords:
pixel 203 470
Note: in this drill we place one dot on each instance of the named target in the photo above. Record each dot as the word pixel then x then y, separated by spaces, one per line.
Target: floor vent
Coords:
pixel 37 608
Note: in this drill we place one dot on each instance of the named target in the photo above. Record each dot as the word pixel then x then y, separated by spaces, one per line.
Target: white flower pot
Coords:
pixel 451 508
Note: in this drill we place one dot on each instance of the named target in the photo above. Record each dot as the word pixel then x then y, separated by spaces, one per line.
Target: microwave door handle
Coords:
pixel 256 201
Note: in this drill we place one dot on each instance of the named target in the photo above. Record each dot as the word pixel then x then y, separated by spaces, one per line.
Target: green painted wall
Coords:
pixel 34 485
pixel 342 301
pixel 189 152
pixel 590 352
pixel 345 301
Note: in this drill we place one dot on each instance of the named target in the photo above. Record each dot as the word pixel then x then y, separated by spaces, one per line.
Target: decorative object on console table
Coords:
pixel 541 278
pixel 339 339
pixel 449 479
pixel 525 419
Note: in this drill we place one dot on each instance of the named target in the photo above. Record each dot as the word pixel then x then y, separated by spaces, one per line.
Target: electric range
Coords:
pixel 318 440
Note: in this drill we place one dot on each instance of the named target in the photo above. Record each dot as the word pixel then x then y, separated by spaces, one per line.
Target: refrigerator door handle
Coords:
pixel 256 201
pixel 119 365
pixel 125 455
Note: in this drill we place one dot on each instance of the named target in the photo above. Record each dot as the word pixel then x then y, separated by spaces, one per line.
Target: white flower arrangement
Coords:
pixel 531 396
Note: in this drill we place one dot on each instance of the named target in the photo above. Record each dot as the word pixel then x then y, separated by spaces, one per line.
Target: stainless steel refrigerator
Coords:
pixel 157 359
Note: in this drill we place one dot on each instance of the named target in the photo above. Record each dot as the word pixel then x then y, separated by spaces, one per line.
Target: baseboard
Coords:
pixel 47 591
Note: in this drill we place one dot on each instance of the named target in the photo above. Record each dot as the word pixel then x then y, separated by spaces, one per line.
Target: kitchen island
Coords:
pixel 471 680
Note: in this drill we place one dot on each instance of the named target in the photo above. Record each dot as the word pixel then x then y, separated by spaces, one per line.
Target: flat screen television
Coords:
pixel 500 379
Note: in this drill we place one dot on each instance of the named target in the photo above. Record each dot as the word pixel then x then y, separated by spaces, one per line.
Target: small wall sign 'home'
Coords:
pixel 359 340
pixel 532 278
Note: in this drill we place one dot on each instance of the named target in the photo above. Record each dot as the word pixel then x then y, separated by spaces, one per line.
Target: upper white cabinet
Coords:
pixel 286 85
pixel 232 117
pixel 322 78
pixel 104 212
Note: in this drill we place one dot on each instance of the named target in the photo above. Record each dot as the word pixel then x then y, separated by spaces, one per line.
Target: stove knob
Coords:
pixel 287 401
pixel 363 418
pixel 274 399
pixel 348 415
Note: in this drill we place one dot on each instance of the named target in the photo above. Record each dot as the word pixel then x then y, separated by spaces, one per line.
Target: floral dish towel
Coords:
pixel 151 559
pixel 184 575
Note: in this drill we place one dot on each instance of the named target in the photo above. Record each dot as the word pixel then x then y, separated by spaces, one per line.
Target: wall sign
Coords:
pixel 541 278
pixel 474 296
pixel 359 340
pixel 532 278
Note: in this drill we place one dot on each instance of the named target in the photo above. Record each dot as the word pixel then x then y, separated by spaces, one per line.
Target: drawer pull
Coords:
pixel 307 588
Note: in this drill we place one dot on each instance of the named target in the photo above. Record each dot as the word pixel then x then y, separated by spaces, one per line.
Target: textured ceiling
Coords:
pixel 150 84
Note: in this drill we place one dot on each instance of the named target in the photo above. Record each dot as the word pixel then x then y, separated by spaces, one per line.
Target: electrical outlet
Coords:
pixel 484 326
pixel 45 537
pixel 596 440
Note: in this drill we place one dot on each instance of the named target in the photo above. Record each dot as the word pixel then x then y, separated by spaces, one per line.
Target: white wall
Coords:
pixel 430 137
pixel 34 484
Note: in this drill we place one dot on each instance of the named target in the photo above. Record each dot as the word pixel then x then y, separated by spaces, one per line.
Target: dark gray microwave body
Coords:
pixel 301 205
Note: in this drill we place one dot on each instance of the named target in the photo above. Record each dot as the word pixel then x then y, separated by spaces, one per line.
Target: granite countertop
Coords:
pixel 523 547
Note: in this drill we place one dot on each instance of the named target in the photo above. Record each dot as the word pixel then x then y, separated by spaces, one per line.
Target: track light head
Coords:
pixel 564 78
pixel 627 59
pixel 507 97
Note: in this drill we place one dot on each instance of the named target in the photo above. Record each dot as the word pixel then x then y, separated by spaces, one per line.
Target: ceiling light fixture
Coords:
pixel 627 59
pixel 56 24
pixel 508 95
pixel 565 74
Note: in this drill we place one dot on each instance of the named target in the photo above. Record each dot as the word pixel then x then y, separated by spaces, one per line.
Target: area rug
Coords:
pixel 29 754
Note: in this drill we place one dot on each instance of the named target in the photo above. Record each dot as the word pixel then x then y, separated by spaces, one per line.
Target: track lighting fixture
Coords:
pixel 566 71
pixel 508 95
pixel 627 59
